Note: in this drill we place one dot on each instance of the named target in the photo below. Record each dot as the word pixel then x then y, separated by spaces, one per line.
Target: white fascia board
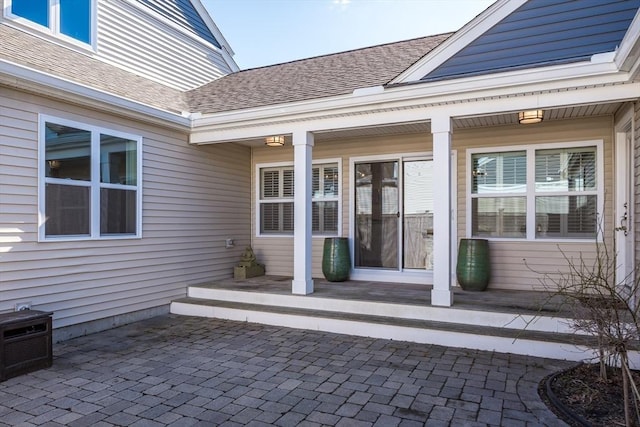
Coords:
pixel 471 31
pixel 227 51
pixel 628 53
pixel 420 113
pixel 272 118
pixel 59 87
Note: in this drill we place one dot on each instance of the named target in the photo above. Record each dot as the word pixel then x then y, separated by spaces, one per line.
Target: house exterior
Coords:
pixel 128 160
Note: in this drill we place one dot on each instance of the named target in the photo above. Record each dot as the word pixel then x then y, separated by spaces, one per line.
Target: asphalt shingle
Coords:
pixel 305 79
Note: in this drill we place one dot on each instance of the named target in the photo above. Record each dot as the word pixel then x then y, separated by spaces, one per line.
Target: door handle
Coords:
pixel 623 221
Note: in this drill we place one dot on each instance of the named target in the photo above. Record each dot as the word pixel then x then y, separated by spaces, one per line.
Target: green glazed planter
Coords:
pixel 336 261
pixel 474 265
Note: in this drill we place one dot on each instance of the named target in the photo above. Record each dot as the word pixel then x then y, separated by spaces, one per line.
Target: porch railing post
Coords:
pixel 302 283
pixel 441 294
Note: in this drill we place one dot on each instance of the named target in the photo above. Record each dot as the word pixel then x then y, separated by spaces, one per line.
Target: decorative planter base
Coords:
pixel 245 272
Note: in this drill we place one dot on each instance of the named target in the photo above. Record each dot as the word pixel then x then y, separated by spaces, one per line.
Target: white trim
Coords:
pixel 226 50
pixel 467 34
pixel 94 184
pixel 530 192
pixel 257 202
pixel 414 103
pixel 624 203
pixel 411 275
pixel 52 31
pixel 626 56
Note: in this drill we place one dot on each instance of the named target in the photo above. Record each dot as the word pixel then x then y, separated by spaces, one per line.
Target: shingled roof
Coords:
pixel 318 77
pixel 33 52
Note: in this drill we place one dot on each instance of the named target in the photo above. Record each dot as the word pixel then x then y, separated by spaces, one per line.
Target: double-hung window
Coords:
pixel 71 19
pixel 275 202
pixel 546 192
pixel 90 182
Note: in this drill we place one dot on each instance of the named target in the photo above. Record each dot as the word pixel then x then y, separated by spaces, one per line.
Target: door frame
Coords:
pixel 401 275
pixel 624 229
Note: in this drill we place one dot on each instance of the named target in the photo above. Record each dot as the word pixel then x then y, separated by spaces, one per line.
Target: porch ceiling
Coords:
pixel 458 123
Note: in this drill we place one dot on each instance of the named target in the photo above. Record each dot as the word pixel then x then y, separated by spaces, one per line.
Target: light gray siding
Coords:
pixel 182 13
pixel 132 39
pixel 193 199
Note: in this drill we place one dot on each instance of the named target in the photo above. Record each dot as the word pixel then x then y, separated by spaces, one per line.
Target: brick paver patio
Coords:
pixel 183 371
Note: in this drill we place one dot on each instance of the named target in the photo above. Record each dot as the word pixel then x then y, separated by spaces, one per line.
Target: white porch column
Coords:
pixel 302 283
pixel 442 294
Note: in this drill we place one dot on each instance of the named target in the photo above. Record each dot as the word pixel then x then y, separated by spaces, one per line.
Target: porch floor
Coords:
pixel 492 300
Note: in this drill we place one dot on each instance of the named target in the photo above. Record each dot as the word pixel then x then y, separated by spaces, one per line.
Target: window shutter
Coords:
pixel 315 182
pixel 287 183
pixel 287 216
pixel 270 183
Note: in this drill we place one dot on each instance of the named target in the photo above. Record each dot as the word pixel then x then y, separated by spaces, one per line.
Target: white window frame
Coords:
pixel 259 201
pixel 53 30
pixel 94 185
pixel 531 193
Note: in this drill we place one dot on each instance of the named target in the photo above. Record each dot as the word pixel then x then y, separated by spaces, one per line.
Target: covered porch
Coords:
pixel 446 136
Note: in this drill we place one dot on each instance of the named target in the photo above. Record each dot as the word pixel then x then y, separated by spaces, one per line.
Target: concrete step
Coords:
pixel 377 324
pixel 516 320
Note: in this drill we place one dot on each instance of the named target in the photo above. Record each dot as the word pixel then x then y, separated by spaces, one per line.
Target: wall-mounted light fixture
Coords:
pixel 274 141
pixel 529 117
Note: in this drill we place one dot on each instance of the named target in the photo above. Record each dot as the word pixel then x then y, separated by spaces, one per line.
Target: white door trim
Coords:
pixel 412 276
pixel 624 227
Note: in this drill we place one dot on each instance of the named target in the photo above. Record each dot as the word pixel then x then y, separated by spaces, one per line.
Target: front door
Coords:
pixel 393 215
pixel 377 213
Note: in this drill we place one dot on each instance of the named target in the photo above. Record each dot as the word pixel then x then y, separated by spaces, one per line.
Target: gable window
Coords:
pixel 68 18
pixel 547 192
pixel 90 181
pixel 275 202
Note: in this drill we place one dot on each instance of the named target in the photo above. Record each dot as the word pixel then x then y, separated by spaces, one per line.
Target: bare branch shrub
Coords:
pixel 602 306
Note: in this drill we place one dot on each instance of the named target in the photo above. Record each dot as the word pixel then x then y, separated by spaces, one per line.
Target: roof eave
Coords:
pixel 627 56
pixel 21 77
pixel 599 71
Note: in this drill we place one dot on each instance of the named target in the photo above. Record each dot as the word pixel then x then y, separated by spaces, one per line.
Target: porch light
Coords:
pixel 274 141
pixel 529 117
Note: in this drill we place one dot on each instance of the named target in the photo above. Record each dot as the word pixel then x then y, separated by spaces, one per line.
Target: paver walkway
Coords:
pixel 183 371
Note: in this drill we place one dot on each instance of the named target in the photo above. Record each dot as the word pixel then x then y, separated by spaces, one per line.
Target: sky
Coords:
pixel 266 32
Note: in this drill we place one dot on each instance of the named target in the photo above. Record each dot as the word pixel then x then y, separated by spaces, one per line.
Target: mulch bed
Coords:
pixel 580 391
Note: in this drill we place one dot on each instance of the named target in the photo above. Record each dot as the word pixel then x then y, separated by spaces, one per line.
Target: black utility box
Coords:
pixel 25 342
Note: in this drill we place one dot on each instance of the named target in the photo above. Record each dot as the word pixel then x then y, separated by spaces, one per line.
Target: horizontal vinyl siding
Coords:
pixel 510 270
pixel 156 51
pixel 277 252
pixel 543 32
pixel 193 199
